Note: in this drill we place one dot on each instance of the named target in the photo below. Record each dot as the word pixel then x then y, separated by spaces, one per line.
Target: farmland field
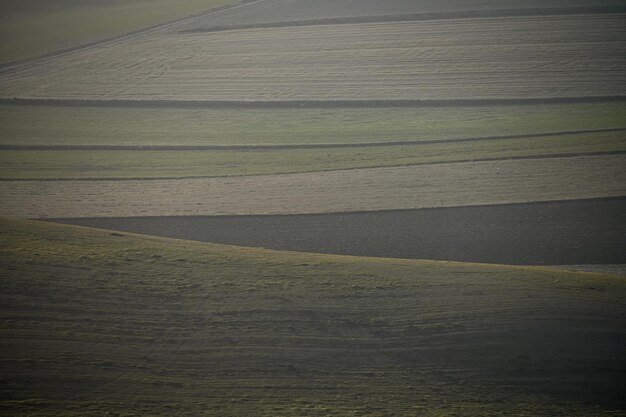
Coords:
pixel 31 28
pixel 171 163
pixel 95 322
pixel 172 126
pixel 278 12
pixel 419 186
pixel 553 233
pixel 503 58
pixel 457 130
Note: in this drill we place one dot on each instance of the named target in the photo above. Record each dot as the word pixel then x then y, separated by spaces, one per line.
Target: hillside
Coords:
pixel 33 28
pixel 269 107
pixel 444 60
pixel 103 323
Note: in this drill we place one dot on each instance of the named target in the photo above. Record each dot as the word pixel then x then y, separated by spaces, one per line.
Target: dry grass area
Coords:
pixel 439 185
pixel 550 56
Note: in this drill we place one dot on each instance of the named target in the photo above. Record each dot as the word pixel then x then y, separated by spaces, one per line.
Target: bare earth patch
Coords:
pixel 441 185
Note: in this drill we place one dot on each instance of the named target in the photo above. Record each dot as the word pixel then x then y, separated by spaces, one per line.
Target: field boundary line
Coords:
pixel 527 203
pixel 15 66
pixel 252 147
pixel 420 17
pixel 192 177
pixel 314 104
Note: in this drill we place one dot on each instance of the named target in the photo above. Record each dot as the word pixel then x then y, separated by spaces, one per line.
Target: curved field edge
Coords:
pixel 409 17
pixel 95 321
pixel 279 12
pixel 50 165
pixel 417 186
pixel 539 233
pixel 31 29
pixel 377 61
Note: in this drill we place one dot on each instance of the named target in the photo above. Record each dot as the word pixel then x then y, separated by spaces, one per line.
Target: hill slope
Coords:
pixel 32 28
pixel 96 322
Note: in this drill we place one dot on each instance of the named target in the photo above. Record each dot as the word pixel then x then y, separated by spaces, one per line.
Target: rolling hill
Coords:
pixel 106 323
pixel 474 130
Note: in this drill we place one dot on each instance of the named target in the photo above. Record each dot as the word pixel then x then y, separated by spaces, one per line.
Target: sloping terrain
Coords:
pixel 505 58
pixel 93 127
pixel 418 186
pixel 279 12
pixel 546 233
pixel 366 105
pixel 32 28
pixel 96 323
pixel 57 142
pixel 325 153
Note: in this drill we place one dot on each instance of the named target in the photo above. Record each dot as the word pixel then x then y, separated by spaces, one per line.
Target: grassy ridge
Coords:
pixel 30 28
pixel 94 321
pixel 211 163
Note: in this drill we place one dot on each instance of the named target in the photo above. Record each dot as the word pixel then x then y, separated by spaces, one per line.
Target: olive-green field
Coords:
pixel 32 126
pixel 123 164
pixel 95 322
pixel 31 28
pixel 307 111
pixel 51 125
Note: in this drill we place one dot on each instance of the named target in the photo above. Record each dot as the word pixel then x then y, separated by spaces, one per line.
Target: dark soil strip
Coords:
pixel 546 233
pixel 293 146
pixel 316 104
pixel 462 14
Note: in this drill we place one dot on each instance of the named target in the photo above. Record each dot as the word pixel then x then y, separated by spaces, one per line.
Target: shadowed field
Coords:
pixel 552 233
pixel 96 322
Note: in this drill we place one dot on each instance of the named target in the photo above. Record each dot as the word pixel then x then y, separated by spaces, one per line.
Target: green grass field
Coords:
pixel 42 125
pixel 30 28
pixel 211 163
pixel 94 322
pixel 51 126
